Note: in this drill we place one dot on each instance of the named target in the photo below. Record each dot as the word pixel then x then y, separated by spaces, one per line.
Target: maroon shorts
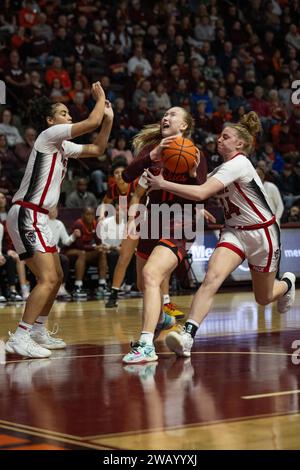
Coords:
pixel 145 247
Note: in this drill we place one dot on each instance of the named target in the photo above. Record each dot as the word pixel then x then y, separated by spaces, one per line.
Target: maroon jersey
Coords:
pixel 136 169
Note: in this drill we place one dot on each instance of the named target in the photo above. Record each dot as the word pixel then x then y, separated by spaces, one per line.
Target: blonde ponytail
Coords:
pixel 247 128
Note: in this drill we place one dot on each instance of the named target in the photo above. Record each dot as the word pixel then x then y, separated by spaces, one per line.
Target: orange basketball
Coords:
pixel 180 156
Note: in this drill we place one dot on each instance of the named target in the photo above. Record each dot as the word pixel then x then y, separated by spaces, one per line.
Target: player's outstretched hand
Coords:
pixel 155 154
pixel 108 111
pixel 155 182
pixel 97 91
pixel 193 170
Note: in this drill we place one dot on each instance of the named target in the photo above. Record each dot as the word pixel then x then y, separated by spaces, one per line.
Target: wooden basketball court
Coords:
pixel 239 390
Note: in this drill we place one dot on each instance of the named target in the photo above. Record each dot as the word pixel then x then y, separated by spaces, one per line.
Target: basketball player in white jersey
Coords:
pixel 39 192
pixel 250 230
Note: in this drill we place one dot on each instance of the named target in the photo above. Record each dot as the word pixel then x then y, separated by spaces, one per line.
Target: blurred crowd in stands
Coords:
pixel 216 58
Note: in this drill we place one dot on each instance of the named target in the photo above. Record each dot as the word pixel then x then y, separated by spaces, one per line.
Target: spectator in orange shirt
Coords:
pixel 57 71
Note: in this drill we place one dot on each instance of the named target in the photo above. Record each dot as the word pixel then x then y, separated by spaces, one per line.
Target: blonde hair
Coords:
pixel 151 134
pixel 247 128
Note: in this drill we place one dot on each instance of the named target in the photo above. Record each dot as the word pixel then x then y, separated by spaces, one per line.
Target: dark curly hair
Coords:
pixel 38 111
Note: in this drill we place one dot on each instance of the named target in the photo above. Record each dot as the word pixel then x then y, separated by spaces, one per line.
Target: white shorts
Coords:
pixel 260 247
pixel 29 231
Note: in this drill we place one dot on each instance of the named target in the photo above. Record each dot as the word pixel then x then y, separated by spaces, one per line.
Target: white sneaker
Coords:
pixel 25 346
pixel 63 293
pixel 285 302
pixel 45 338
pixel 25 290
pixel 180 343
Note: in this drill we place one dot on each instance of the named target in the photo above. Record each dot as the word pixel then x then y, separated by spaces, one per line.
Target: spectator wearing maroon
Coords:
pixel 19 38
pixel 28 15
pixel 62 46
pixel 294 124
pixel 121 121
pixel 7 157
pixel 284 140
pixel 15 78
pixel 141 116
pixel 86 250
pixel 259 104
pixel 151 39
pixel 263 64
pixel 82 26
pixel 38 49
pixel 271 17
pixel 137 13
pixel 237 34
pixel 86 8
pixel 23 149
pixel 180 94
pixel 36 86
pixel 78 109
pixel 57 93
pixel 57 71
pixel 220 116
pixel 225 56
pixel 173 79
pixel 278 110
pixel 288 183
pixel 181 62
pixel 202 119
pixel 158 68
pixel 230 82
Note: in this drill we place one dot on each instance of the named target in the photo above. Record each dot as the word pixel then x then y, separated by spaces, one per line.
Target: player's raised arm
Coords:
pixel 95 118
pixel 98 147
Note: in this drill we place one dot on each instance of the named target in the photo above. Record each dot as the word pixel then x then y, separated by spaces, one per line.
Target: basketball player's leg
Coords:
pixel 222 262
pixel 127 251
pixel 128 248
pixel 45 269
pixel 159 266
pixel 48 273
pixel 161 263
pixel 266 287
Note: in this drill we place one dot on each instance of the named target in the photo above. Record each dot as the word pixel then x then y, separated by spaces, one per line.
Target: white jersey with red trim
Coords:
pixel 47 166
pixel 244 199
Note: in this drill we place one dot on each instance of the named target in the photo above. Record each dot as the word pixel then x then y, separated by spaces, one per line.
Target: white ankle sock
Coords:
pixel 146 337
pixel 40 323
pixel 23 329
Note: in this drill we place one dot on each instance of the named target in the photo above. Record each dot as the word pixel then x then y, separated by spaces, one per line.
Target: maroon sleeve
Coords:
pixel 137 166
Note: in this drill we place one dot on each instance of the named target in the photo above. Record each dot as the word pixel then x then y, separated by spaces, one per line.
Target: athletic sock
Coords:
pixel 191 327
pixel 146 337
pixel 166 299
pixel 23 329
pixel 288 282
pixel 39 324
